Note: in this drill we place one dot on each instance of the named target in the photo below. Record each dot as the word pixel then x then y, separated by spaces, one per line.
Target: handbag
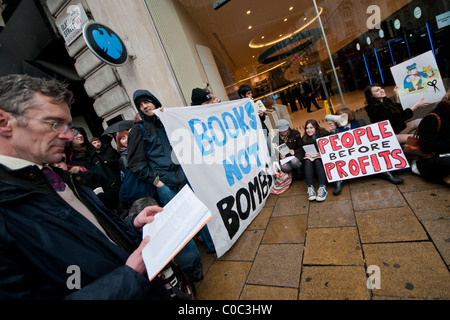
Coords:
pixel 282 182
pixel 412 145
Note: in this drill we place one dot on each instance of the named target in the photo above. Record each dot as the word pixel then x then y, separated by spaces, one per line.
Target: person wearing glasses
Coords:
pixel 57 239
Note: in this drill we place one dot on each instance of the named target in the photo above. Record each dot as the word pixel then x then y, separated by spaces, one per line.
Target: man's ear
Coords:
pixel 5 123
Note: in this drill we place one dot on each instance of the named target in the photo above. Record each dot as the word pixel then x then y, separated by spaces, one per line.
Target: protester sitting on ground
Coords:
pixel 379 108
pixel 434 137
pixel 353 123
pixel 294 142
pixel 313 163
pixel 57 240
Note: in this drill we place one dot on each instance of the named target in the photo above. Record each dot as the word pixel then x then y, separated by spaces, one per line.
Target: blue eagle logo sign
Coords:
pixel 105 44
pixel 109 43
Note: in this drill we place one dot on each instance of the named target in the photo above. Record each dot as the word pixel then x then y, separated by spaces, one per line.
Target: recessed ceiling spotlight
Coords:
pixel 291 8
pixel 285 19
pixel 249 27
pixel 249 11
pixel 262 37
pixel 280 35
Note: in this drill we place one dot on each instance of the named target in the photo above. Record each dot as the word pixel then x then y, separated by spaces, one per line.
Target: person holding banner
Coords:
pixel 150 159
pixel 202 97
pixel 312 162
pixel 379 107
pixel 434 137
pixel 349 123
pixel 293 141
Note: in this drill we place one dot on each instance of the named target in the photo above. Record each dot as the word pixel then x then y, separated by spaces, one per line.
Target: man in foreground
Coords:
pixel 57 240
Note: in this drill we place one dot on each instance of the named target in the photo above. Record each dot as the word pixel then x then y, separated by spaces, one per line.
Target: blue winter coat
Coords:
pixel 41 236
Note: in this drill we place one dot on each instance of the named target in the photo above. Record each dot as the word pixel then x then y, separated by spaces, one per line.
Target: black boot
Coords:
pixel 392 178
pixel 337 187
pixel 300 175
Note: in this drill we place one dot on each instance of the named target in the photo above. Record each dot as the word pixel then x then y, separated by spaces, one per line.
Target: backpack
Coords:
pixel 412 145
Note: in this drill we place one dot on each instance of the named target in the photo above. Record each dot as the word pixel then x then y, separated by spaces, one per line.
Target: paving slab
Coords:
pixel 289 229
pixel 277 265
pixel 431 204
pixel 224 281
pixel 409 270
pixel 245 248
pixel 291 205
pixel 253 292
pixel 377 197
pixel 439 231
pixel 262 219
pixel 334 283
pixel 331 214
pixel 389 225
pixel 413 182
pixel 333 246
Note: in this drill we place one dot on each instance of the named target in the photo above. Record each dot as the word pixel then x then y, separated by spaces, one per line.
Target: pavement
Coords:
pixel 375 241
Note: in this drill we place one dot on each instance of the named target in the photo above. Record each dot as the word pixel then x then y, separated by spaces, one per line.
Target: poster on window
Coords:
pixel 223 152
pixel 361 152
pixel 418 78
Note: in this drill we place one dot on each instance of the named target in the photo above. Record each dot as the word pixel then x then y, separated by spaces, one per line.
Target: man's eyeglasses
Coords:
pixel 56 126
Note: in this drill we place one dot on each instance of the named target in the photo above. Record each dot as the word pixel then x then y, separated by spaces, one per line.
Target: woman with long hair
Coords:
pixel 379 108
pixel 313 163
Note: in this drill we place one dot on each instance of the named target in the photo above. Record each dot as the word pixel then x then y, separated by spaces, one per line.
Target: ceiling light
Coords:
pixel 291 8
pixel 249 27
pixel 285 19
pixel 249 11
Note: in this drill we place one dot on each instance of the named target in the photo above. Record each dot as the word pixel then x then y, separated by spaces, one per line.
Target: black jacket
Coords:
pixel 389 110
pixel 150 156
pixel 294 142
pixel 437 140
pixel 41 236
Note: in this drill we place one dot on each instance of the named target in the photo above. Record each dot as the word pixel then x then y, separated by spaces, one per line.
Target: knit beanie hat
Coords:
pixel 199 96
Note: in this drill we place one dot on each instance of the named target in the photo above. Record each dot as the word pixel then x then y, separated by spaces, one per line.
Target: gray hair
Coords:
pixel 17 92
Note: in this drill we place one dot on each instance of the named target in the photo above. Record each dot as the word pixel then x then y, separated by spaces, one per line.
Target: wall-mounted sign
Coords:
pixel 71 27
pixel 443 20
pixel 105 44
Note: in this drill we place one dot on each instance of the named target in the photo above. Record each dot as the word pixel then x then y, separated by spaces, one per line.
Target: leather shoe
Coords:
pixel 392 178
pixel 337 187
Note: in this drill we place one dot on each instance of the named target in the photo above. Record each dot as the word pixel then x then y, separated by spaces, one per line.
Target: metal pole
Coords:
pixel 329 53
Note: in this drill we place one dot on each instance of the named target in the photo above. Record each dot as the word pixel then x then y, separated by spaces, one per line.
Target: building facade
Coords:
pixel 177 45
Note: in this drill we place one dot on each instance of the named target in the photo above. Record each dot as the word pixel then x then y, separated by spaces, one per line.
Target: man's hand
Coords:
pixel 135 260
pixel 146 216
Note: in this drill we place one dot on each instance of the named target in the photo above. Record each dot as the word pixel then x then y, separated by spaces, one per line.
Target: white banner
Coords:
pixel 223 152
pixel 361 152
